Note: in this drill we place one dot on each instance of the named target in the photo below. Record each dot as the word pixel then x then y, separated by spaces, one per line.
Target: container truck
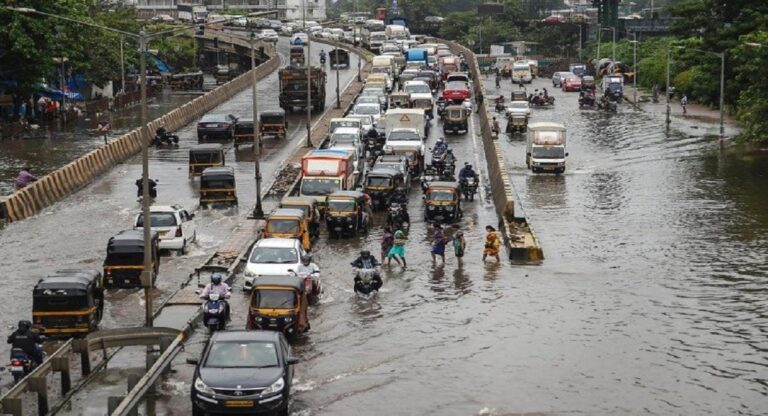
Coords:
pixel 324 171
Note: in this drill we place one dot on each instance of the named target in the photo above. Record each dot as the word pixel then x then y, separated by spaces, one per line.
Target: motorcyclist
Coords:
pixel 322 55
pixel 467 172
pixel 309 268
pixel 498 80
pixel 366 262
pixel 217 286
pixel 440 147
pixel 28 341
pixel 449 160
pixel 140 188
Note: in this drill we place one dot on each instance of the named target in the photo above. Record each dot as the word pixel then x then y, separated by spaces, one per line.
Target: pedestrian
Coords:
pixel 684 103
pixel 479 100
pixel 387 241
pixel 492 243
pixel 459 244
pixel 398 249
pixel 438 243
pixel 24 178
pixel 495 128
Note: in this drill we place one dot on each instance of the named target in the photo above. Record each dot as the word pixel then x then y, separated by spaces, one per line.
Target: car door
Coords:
pixel 287 353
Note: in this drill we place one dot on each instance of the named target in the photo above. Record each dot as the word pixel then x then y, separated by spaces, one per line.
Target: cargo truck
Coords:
pixel 324 171
pixel 545 149
pixel 293 88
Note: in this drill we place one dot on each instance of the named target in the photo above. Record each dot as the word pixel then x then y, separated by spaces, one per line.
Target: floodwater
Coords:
pixel 651 298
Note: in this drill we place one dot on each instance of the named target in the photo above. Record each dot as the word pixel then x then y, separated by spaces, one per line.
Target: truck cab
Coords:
pixel 545 147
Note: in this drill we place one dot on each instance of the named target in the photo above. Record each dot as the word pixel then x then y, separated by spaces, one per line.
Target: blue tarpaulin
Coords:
pixel 55 94
pixel 161 66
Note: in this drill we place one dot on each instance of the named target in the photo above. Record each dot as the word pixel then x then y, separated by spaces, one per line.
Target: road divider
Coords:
pixel 64 181
pixel 519 238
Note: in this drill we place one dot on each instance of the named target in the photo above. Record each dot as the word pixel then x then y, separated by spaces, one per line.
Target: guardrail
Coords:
pixel 68 179
pixel 519 237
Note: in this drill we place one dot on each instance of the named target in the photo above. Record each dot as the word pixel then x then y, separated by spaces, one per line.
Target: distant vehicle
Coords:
pixel 578 69
pixel 518 107
pixel 545 148
pixel 434 19
pixel 370 109
pixel 417 87
pixel 299 38
pixel 572 84
pixel 269 35
pixel 163 18
pixel 216 127
pixel 521 72
pixel 456 91
pixel 243 371
pixel 173 224
pixel 272 257
pixel 558 77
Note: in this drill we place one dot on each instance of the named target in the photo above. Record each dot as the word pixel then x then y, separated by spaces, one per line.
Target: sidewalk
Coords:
pixel 697 115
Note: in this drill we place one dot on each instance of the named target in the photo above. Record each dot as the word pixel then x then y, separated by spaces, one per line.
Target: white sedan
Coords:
pixel 518 107
pixel 173 225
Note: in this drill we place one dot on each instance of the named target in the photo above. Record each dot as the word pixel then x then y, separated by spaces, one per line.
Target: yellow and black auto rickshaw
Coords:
pixel 517 123
pixel 204 156
pixel 125 259
pixel 442 202
pixel 279 303
pixel 69 302
pixel 345 213
pixel 243 132
pixel 518 95
pixel 310 207
pixel 289 223
pixel 381 184
pixel 273 123
pixel 455 119
pixel 217 186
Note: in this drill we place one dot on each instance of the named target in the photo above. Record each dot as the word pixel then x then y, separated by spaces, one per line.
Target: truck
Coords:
pixel 521 72
pixel 545 149
pixel 419 55
pixel 324 171
pixel 384 63
pixel 373 40
pixel 192 14
pixel 448 64
pixel 397 33
pixel 293 87
pixel 405 131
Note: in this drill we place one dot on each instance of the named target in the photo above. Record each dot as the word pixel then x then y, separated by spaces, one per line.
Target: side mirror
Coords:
pixel 290 270
pixel 292 361
pixel 566 154
pixel 193 361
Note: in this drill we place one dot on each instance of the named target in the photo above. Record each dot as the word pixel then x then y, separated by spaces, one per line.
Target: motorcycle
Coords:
pixel 607 105
pixel 540 100
pixel 586 101
pixel 441 104
pixel 140 189
pixel 430 175
pixel 469 188
pixel 214 312
pixel 162 138
pixel 500 107
pixel 397 216
pixel 311 284
pixel 322 59
pixel 21 364
pixel 367 282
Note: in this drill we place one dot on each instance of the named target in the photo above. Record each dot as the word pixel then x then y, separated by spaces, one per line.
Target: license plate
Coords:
pixel 17 369
pixel 162 233
pixel 549 168
pixel 238 403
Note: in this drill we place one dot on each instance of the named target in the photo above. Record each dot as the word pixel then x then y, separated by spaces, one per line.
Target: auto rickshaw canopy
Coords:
pixel 304 203
pixel 222 174
pixel 206 153
pixel 291 282
pixel 68 282
pixel 129 242
pixel 272 117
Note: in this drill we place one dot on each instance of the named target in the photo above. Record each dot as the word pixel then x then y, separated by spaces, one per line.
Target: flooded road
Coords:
pixel 651 298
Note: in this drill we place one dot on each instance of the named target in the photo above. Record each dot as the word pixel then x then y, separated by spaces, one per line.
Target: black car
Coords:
pixel 216 127
pixel 243 372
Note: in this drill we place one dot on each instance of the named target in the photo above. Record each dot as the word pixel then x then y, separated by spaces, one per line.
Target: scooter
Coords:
pixel 21 364
pixel 322 60
pixel 311 284
pixel 397 216
pixel 215 312
pixel 140 189
pixel 469 188
pixel 367 282
pixel 162 138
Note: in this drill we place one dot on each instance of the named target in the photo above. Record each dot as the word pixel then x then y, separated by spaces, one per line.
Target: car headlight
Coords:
pixel 249 273
pixel 276 387
pixel 288 319
pixel 431 207
pixel 387 148
pixel 202 388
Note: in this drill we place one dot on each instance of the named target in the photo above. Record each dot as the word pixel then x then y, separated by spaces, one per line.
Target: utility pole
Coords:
pixel 634 67
pixel 122 66
pixel 722 93
pixel 669 57
pixel 338 97
pixel 309 74
pixel 258 212
pixel 148 272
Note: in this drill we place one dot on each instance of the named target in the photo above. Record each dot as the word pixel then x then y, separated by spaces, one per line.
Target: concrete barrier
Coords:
pixel 79 173
pixel 519 238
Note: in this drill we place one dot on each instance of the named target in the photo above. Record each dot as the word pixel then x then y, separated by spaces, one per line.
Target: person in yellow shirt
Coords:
pixel 492 243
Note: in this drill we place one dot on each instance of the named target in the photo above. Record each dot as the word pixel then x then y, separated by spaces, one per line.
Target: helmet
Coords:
pixel 305 260
pixel 25 325
pixel 365 253
pixel 216 278
pixel 469 166
pixel 459 233
pixel 439 139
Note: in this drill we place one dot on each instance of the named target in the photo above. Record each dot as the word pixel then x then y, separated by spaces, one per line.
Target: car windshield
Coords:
pixel 274 299
pixel 241 354
pixel 319 187
pixel 380 70
pixel 159 219
pixel 458 85
pixel 440 195
pixel 208 184
pixel 365 119
pixel 282 226
pixel 379 181
pixel 518 104
pixel 343 138
pixel 367 109
pixel 370 99
pixel 274 255
pixel 418 88
pixel 211 118
pixel 403 136
pixel 344 205
pixel 545 152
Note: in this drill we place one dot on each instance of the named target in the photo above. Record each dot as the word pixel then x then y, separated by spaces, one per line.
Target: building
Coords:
pixel 287 9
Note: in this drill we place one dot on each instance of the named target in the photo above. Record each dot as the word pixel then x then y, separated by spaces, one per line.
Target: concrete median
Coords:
pixel 79 173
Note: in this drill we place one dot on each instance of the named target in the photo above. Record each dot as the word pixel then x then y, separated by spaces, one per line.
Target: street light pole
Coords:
pixel 338 97
pixel 359 57
pixel 613 46
pixel 147 224
pixel 722 93
pixel 122 66
pixel 599 41
pixel 666 91
pixel 258 212
pixel 309 76
pixel 634 67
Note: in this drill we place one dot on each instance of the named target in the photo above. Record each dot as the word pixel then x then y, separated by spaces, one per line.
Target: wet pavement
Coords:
pixel 651 298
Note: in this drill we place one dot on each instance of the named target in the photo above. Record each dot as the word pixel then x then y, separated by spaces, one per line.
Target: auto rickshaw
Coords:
pixel 243 132
pixel 518 95
pixel 297 56
pixel 455 119
pixel 69 302
pixel 425 104
pixel 217 185
pixel 588 83
pixel 279 303
pixel 289 223
pixel 125 259
pixel 345 213
pixel 381 184
pixel 310 207
pixel 338 58
pixel 442 202
pixel 223 74
pixel 273 123
pixel 517 123
pixel 204 156
pixel 187 81
pixel 399 100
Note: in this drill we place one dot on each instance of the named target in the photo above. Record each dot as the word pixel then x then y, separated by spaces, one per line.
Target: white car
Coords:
pixel 369 109
pixel 366 120
pixel 299 39
pixel 272 257
pixel 518 107
pixel 269 35
pixel 417 87
pixel 173 225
